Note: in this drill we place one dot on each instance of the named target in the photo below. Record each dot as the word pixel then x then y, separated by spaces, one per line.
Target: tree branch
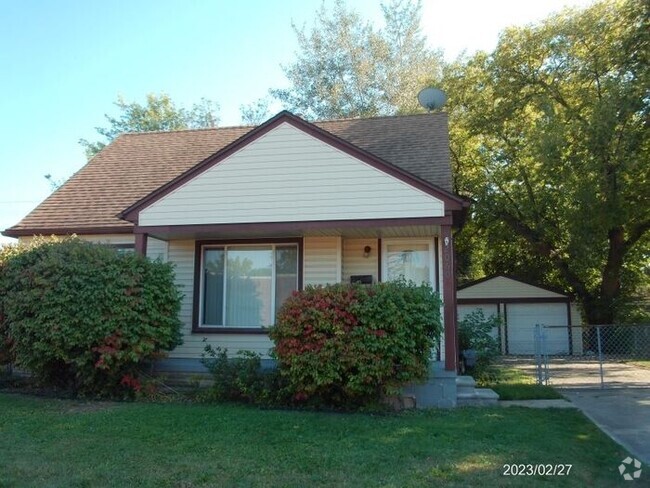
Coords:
pixel 547 249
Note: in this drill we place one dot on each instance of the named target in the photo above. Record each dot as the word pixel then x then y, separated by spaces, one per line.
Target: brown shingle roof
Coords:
pixel 134 165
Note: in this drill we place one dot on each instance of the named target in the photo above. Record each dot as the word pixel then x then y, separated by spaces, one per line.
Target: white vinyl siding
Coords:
pixel 354 262
pixel 111 239
pixel 287 176
pixel 156 249
pixel 114 240
pixel 576 333
pixel 500 287
pixel 322 260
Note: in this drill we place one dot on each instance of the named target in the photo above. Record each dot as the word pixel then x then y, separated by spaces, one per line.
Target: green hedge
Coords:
pixel 80 316
pixel 344 345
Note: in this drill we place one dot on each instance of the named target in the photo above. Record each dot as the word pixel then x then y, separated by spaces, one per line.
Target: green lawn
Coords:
pixel 513 384
pixel 47 442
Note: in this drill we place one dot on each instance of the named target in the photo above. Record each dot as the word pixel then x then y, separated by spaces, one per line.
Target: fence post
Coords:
pixel 538 353
pixel 600 357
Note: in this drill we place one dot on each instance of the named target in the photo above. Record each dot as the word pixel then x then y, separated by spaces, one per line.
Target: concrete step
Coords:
pixel 480 397
pixel 465 386
pixel 465 381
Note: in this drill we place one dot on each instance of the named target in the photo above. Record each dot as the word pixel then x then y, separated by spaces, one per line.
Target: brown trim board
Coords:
pixel 449 299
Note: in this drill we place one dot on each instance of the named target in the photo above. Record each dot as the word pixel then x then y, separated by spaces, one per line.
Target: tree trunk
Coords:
pixel 598 310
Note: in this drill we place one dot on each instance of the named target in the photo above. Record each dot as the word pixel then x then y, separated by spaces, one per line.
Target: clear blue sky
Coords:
pixel 63 63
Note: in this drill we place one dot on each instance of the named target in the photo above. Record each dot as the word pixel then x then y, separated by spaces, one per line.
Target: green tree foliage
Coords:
pixel 347 345
pixel 347 68
pixel 479 333
pixel 80 316
pixel 159 113
pixel 255 113
pixel 550 139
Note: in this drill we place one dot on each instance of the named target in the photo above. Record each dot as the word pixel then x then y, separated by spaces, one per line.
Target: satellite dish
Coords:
pixel 432 98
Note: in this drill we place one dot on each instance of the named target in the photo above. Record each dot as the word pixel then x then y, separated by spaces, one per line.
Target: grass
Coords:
pixel 51 442
pixel 513 384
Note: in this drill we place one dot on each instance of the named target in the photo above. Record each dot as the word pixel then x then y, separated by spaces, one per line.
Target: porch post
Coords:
pixel 449 298
pixel 141 244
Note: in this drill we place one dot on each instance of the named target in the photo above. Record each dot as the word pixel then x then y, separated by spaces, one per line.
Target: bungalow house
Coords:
pixel 277 207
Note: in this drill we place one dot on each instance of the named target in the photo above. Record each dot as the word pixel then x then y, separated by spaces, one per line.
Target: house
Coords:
pixel 248 215
pixel 521 306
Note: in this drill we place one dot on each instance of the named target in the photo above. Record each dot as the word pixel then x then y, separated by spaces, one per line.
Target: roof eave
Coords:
pixel 49 231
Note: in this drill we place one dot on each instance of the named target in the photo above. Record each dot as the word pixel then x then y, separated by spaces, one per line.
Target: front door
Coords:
pixel 411 260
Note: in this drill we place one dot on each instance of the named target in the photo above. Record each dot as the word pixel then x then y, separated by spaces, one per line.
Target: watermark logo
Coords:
pixel 627 470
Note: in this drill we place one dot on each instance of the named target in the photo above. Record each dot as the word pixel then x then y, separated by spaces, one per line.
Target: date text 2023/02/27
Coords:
pixel 537 469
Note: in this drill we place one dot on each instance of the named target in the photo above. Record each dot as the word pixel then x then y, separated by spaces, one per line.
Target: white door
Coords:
pixel 521 319
pixel 411 260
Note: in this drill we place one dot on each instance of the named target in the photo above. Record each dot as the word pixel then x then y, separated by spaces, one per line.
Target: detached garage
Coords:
pixel 521 306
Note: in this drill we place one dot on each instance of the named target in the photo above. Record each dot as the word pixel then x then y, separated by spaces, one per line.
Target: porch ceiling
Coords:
pixel 392 231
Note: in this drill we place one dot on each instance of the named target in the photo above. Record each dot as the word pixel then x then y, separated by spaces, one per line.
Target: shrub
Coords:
pixel 475 332
pixel 83 317
pixel 240 378
pixel 345 345
pixel 6 349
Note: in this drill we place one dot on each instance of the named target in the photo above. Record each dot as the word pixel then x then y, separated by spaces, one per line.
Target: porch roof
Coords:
pixel 378 228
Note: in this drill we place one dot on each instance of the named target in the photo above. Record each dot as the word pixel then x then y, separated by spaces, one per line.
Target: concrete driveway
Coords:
pixel 622 413
pixel 575 373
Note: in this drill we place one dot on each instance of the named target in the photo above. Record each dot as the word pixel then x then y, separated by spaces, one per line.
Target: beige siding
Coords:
pixel 156 249
pixel 576 333
pixel 502 287
pixel 98 238
pixel 322 260
pixel 109 238
pixel 287 175
pixel 354 263
pixel 181 253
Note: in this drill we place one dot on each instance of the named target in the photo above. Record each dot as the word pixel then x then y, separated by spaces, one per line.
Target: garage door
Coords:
pixel 521 320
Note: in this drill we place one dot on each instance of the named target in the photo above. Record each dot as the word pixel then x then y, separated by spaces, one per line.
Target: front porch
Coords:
pixel 326 252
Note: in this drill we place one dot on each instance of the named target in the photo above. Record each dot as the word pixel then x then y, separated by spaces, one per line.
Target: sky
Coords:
pixel 63 64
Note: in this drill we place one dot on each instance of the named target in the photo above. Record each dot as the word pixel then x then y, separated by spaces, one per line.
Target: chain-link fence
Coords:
pixel 600 356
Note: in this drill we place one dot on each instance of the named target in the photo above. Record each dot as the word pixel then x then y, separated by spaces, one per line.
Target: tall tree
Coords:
pixel 159 113
pixel 550 139
pixel 347 68
pixel 256 112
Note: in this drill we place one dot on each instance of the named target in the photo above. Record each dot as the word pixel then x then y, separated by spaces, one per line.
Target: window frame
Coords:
pixel 198 291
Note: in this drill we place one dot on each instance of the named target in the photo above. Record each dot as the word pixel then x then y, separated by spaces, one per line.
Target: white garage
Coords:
pixel 521 307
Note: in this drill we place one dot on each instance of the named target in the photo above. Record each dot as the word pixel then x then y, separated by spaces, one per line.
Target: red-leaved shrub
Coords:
pixel 349 345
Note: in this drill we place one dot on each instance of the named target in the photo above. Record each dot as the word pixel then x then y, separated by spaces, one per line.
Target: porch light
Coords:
pixel 366 251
